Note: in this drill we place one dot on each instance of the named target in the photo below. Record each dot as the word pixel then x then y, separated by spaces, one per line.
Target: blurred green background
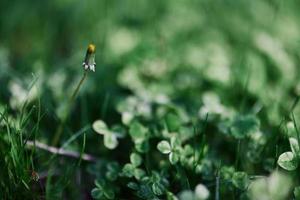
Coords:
pixel 223 57
pixel 163 46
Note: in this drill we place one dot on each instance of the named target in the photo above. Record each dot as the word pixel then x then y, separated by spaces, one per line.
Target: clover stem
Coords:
pixel 69 106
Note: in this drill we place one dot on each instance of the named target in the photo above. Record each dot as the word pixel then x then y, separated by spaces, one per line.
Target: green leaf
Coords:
pixel 135 159
pixel 128 170
pixel 173 122
pixel 226 172
pixel 243 126
pixel 111 175
pixel 240 180
pixel 127 117
pixel 173 157
pixel 97 193
pixel 294 146
pixel 171 196
pixel 297 192
pixel 137 132
pixel 109 193
pixel 100 127
pixel 188 150
pixel 133 185
pixel 139 173
pixel 110 141
pixel 145 192
pixel 175 142
pixel 112 172
pixel 142 146
pixel 156 177
pixel 164 147
pixel 118 131
pixel 99 184
pixel 288 161
pixel 158 188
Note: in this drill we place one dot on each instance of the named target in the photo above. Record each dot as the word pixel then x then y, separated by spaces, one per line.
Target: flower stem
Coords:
pixel 61 151
pixel 69 106
pixel 78 87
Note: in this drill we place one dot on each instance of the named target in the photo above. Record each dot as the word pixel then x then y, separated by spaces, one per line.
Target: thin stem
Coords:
pixel 61 151
pixel 237 154
pixel 69 106
pixel 78 87
pixel 217 192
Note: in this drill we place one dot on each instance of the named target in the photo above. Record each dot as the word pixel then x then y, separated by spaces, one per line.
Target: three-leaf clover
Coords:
pixel 158 183
pixel 150 186
pixel 113 170
pixel 131 169
pixel 102 191
pixel 188 156
pixel 110 136
pixel 143 190
pixel 172 149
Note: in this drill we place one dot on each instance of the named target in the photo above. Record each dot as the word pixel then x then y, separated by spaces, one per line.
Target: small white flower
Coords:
pixel 89 61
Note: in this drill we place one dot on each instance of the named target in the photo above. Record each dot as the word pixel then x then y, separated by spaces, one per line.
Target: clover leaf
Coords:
pixel 110 141
pixel 173 157
pixel 110 137
pixel 102 191
pixel 173 149
pixel 137 131
pixel 189 157
pixel 128 170
pixel 150 186
pixel 97 193
pixel 288 161
pixel 131 169
pixel 158 183
pixel 142 146
pixel 297 192
pixel 112 172
pixel 139 135
pixel 100 127
pixel 136 159
pixel 240 180
pixel 244 125
pixel 164 147
pixel 173 122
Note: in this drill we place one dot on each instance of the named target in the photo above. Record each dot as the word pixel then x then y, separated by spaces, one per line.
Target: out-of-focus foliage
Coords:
pixel 190 99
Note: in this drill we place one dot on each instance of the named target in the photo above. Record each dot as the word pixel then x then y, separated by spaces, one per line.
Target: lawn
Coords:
pixel 150 100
